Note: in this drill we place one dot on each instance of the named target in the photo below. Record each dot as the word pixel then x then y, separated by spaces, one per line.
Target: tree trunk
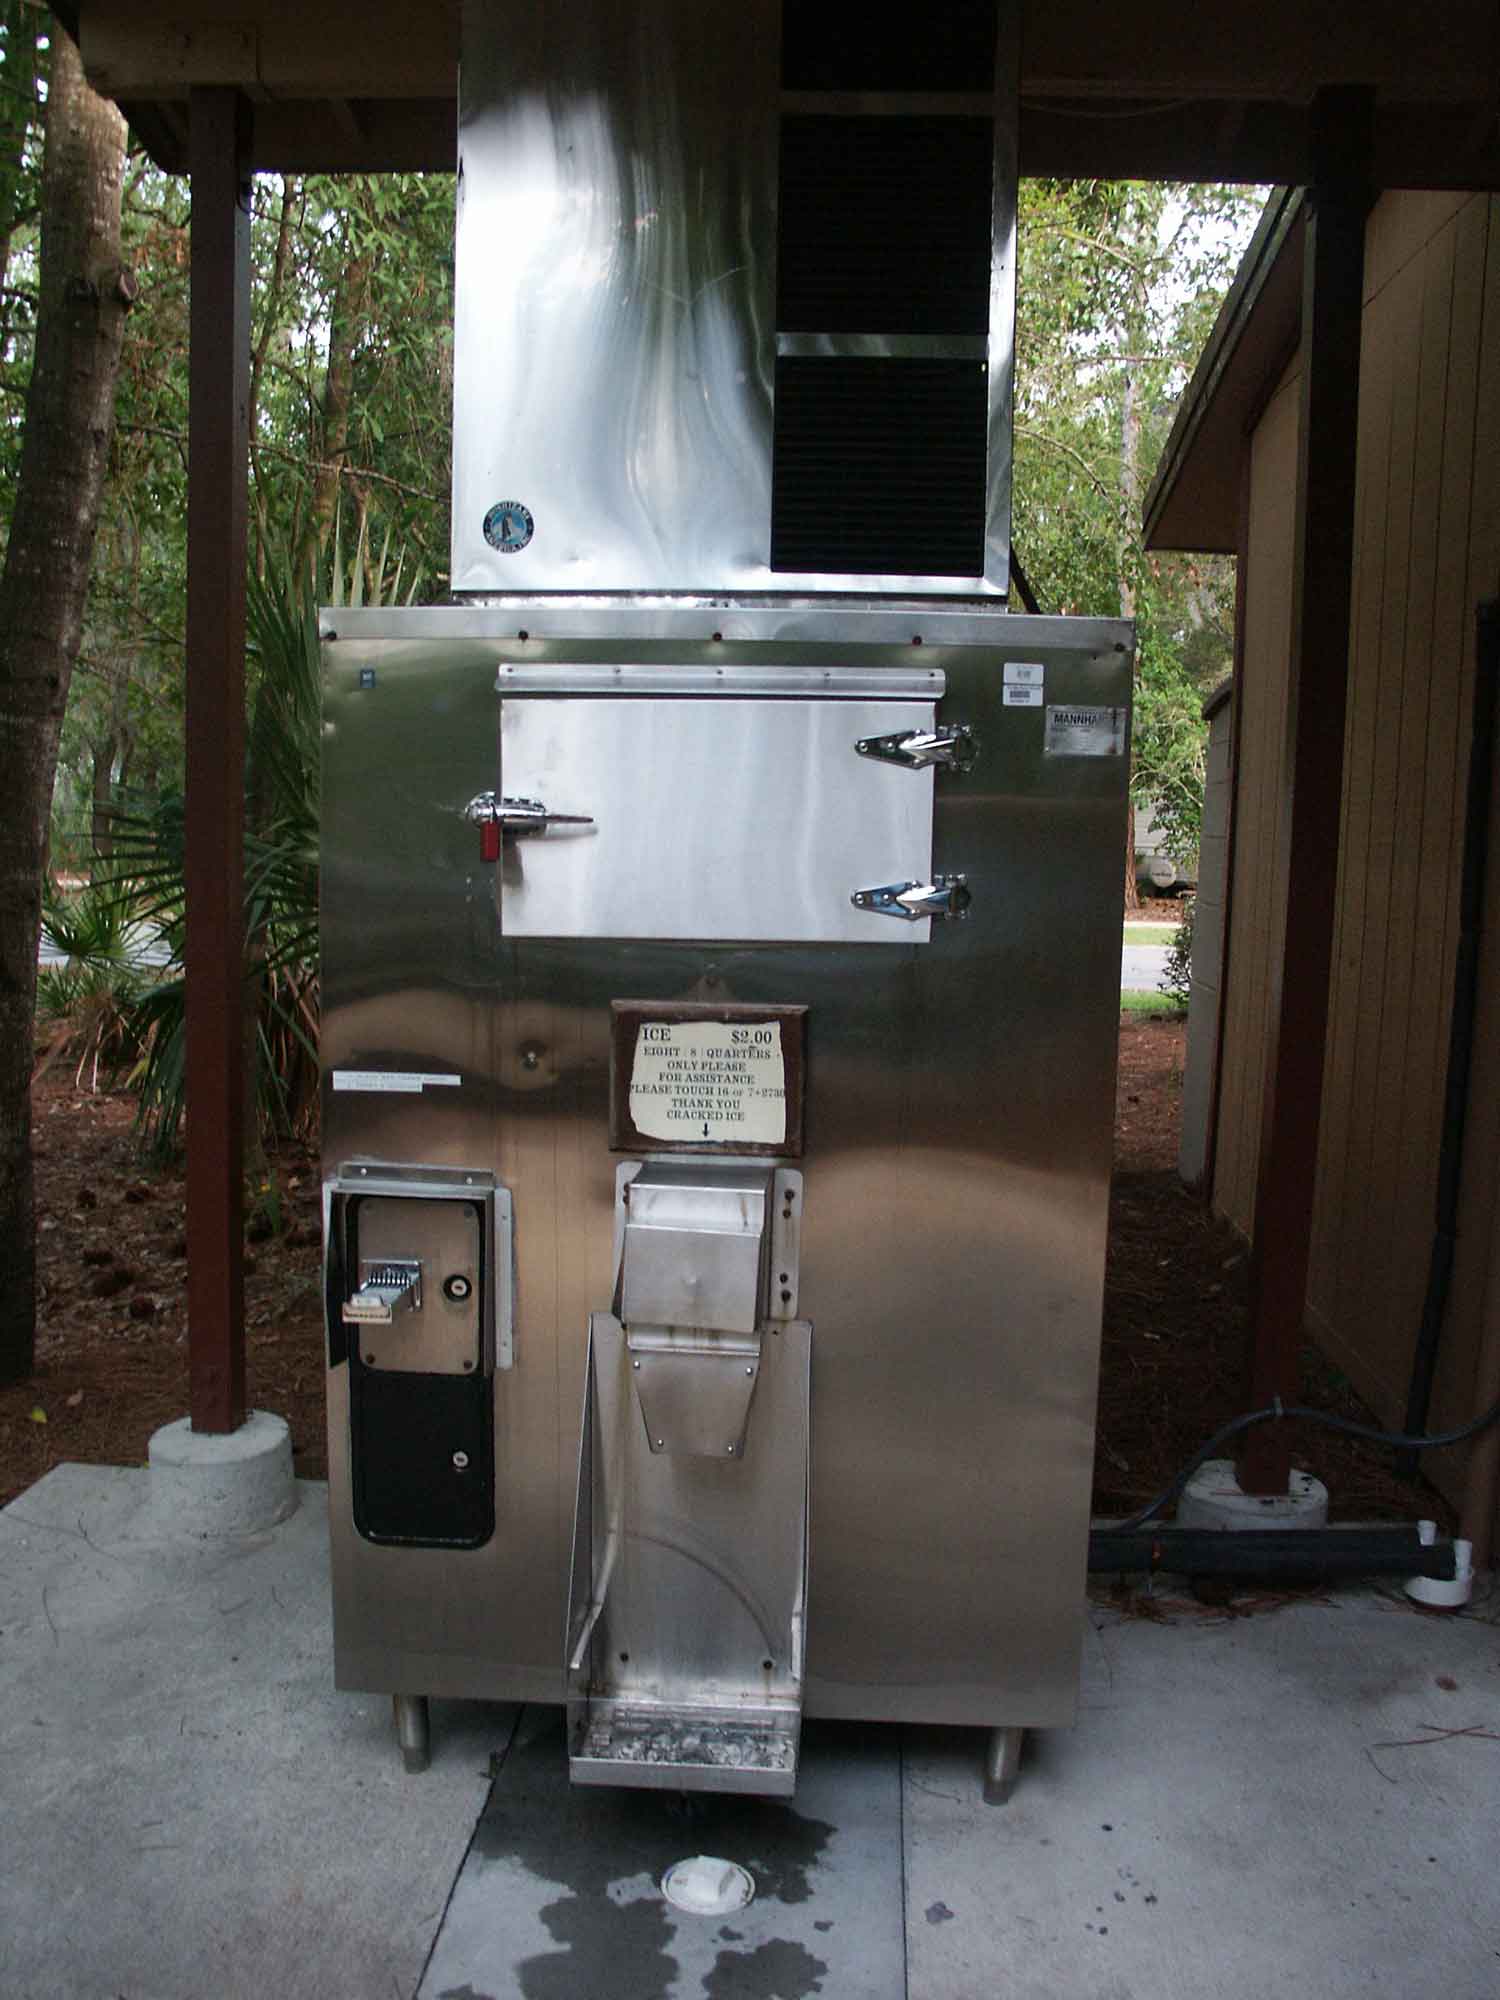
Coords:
pixel 347 320
pixel 270 322
pixel 84 295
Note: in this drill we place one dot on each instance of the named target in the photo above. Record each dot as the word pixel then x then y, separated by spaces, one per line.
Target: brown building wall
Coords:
pixel 1428 547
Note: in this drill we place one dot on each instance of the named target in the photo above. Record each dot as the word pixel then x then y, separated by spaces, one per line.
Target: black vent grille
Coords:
pixel 837 45
pixel 885 225
pixel 879 467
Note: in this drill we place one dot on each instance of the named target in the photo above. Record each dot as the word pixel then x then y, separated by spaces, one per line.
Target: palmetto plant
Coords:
pixel 281 855
pixel 86 1006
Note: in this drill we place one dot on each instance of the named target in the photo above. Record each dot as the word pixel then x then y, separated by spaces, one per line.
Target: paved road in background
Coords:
pixel 1141 968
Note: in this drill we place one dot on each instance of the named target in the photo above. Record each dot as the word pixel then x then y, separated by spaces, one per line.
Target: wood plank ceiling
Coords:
pixel 1165 89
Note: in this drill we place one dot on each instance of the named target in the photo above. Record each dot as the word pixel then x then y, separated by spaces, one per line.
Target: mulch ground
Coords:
pixel 112 1346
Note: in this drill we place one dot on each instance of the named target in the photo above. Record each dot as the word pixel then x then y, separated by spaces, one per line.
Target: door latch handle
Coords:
pixel 952 746
pixel 502 818
pixel 943 896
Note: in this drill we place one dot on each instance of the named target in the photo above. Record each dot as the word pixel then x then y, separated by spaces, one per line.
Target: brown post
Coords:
pixel 1333 269
pixel 218 460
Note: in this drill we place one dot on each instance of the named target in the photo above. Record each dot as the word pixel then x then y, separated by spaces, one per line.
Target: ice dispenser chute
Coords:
pixel 690 1543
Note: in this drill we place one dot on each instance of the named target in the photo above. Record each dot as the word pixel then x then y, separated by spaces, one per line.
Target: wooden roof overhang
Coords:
pixel 1149 89
pixel 1194 498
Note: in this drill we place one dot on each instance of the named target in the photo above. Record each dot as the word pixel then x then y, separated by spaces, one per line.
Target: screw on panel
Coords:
pixel 730 1450
pixel 659 1443
pixel 748 1371
pixel 461 1461
pixel 635 1364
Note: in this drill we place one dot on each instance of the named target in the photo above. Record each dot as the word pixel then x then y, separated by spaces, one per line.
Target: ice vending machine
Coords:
pixel 720 915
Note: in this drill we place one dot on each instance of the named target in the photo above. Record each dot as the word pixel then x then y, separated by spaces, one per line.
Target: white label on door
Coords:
pixel 1023 697
pixel 1024 673
pixel 406 1082
pixel 1084 732
pixel 709 1081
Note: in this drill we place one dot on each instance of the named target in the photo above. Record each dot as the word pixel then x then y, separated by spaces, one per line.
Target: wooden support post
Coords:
pixel 1323 562
pixel 218 462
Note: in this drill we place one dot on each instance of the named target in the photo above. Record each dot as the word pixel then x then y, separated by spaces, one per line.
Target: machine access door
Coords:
pixel 698 805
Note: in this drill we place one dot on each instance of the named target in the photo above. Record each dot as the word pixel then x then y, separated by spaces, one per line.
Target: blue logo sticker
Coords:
pixel 508 526
pixel 367 677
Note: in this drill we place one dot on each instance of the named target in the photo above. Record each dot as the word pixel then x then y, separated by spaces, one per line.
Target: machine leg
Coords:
pixel 412 1730
pixel 1002 1759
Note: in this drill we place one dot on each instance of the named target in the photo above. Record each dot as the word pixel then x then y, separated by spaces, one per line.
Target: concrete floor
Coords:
pixel 1249 1807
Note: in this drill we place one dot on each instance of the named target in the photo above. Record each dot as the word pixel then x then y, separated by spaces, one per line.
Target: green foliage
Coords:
pixel 281 882
pixel 86 1007
pixel 1118 285
pixel 1176 979
pixel 348 270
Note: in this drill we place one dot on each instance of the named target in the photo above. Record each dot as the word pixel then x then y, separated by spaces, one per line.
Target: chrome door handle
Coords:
pixel 519 816
pixel 943 896
pixel 952 746
pixel 511 819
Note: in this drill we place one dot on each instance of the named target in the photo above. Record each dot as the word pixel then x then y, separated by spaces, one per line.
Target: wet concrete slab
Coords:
pixel 188 1807
pixel 1302 1800
pixel 559 1896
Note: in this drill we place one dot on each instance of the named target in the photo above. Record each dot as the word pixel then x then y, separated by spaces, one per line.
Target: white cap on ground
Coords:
pixel 706 1886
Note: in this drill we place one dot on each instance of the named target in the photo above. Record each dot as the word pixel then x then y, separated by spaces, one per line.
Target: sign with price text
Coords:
pixel 690 1077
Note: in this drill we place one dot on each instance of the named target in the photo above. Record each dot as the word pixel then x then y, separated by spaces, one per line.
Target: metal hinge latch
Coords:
pixel 943 896
pixel 952 746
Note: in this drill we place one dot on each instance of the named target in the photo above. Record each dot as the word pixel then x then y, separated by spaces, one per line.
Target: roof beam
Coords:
pixel 1234 50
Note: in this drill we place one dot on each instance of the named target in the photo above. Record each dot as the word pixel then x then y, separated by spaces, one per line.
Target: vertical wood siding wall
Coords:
pixel 1428 547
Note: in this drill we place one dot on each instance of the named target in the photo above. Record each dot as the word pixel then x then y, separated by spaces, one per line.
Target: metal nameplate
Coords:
pixel 1072 731
pixel 689 1077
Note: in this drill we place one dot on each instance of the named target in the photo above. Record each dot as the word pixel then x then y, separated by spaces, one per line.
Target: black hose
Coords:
pixel 1461 1023
pixel 1279 1552
pixel 1402 1440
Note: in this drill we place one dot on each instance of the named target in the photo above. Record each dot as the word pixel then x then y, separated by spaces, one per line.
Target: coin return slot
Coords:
pixel 385 1288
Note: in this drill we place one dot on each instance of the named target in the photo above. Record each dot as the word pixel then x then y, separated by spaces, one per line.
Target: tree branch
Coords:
pixel 1056 444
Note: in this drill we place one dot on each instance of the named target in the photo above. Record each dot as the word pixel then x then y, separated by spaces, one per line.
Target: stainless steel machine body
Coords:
pixel 720 932
pixel 957 1119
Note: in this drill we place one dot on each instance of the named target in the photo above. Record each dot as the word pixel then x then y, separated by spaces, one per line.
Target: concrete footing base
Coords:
pixel 1214 1498
pixel 222 1483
